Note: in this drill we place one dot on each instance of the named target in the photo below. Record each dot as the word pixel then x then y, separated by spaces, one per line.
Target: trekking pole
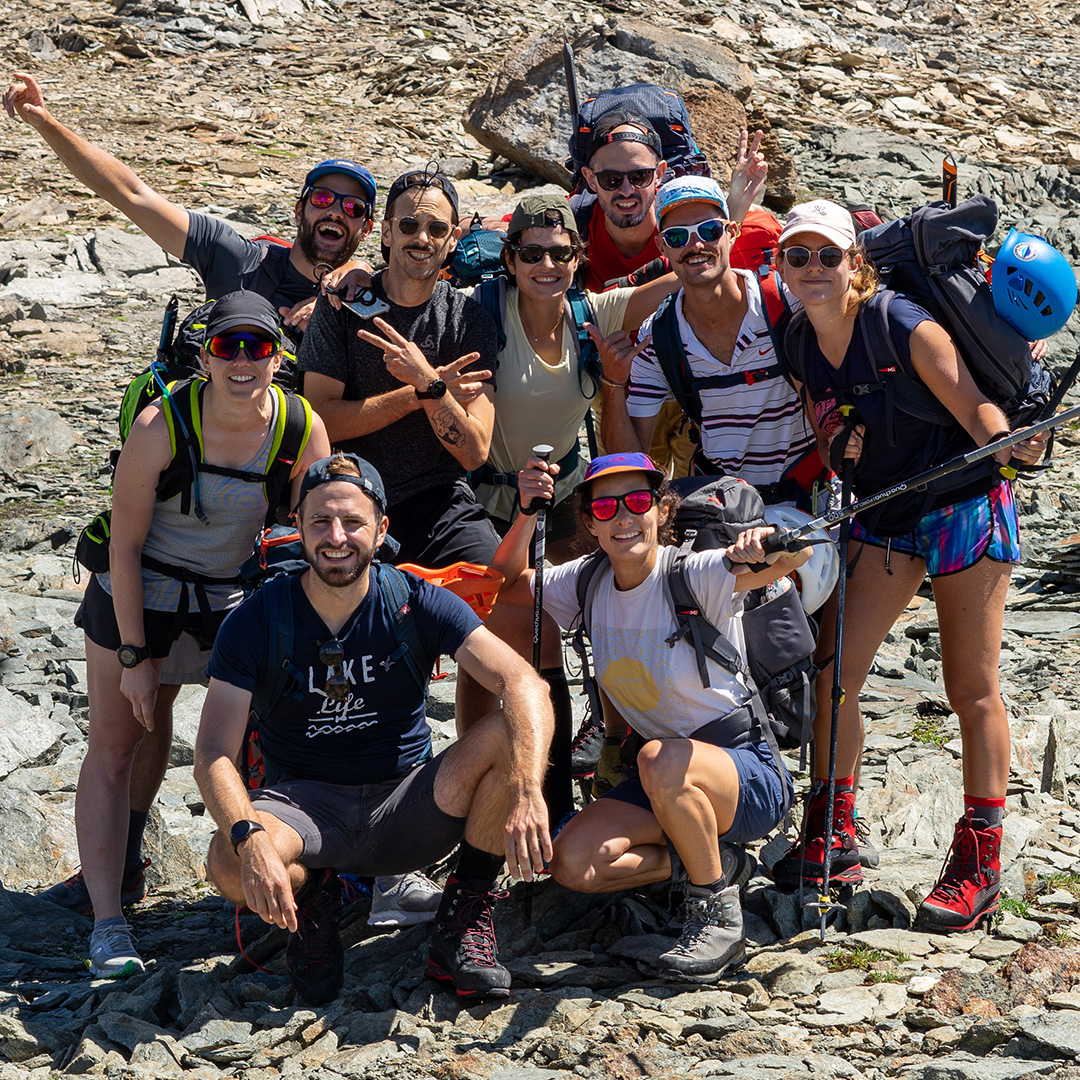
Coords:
pixel 948 180
pixel 823 904
pixel 543 451
pixel 790 539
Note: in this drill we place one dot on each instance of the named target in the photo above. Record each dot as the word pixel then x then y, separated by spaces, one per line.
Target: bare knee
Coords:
pixel 974 706
pixel 575 866
pixel 223 868
pixel 662 768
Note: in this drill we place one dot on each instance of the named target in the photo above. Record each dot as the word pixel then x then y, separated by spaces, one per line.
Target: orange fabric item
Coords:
pixel 477 585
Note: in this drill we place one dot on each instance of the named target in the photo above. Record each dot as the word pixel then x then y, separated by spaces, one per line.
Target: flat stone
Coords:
pixel 785 974
pixel 1069 1000
pixel 898 941
pixel 993 949
pixel 1059 1032
pixel 970 1067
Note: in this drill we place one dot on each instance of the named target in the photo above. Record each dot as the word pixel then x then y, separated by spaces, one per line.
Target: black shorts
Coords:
pixel 97 619
pixel 442 526
pixel 392 827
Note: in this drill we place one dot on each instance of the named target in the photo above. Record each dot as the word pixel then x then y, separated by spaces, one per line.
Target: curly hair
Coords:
pixel 667 500
pixel 866 280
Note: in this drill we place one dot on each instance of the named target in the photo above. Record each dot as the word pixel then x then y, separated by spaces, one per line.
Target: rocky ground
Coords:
pixel 224 107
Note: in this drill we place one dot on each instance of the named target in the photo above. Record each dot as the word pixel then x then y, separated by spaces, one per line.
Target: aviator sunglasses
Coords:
pixel 332 654
pixel 637 502
pixel 228 346
pixel 708 232
pixel 534 253
pixel 353 206
pixel 436 229
pixel 612 180
pixel 798 257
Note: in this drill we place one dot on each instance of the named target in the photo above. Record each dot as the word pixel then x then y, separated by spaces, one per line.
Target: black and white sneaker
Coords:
pixel 463 950
pixel 314 955
pixel 712 939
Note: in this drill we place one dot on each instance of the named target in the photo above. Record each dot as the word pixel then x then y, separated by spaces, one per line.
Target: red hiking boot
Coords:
pixel 805 858
pixel 970 883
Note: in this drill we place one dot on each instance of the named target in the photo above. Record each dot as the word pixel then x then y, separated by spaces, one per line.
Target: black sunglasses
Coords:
pixel 436 229
pixel 798 257
pixel 610 180
pixel 534 253
pixel 332 654
pixel 639 502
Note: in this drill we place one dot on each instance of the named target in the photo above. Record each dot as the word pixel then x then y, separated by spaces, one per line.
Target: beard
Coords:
pixel 316 250
pixel 339 577
pixel 621 220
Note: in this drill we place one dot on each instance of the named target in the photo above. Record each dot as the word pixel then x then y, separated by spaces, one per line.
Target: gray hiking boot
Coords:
pixel 404 901
pixel 712 939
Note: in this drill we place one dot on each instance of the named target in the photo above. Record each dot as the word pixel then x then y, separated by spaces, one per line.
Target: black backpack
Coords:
pixel 779 637
pixel 664 109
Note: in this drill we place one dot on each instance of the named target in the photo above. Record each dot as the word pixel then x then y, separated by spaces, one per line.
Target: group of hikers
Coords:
pixel 426 402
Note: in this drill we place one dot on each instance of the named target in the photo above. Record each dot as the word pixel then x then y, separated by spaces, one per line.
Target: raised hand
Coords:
pixel 748 176
pixel 464 386
pixel 404 359
pixel 617 352
pixel 24 100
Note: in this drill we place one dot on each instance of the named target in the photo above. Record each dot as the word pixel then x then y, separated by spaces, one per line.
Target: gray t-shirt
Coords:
pixel 226 261
pixel 410 457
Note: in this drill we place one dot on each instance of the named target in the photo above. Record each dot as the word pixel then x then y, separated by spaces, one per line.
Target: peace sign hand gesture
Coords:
pixel 404 359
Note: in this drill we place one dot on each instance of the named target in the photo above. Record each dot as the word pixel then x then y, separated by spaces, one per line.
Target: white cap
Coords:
pixel 822 218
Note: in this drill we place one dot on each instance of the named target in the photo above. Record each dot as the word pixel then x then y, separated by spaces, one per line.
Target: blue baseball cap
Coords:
pixel 608 464
pixel 345 168
pixel 690 189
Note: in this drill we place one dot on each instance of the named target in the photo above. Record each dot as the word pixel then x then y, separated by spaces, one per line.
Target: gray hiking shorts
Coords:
pixel 391 827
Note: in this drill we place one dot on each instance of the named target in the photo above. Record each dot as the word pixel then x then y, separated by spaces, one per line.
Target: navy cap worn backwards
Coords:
pixel 604 132
pixel 345 168
pixel 369 479
pixel 243 308
pixel 424 178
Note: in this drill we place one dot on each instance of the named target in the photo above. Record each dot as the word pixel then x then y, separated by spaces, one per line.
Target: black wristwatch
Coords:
pixel 132 655
pixel 241 831
pixel 435 389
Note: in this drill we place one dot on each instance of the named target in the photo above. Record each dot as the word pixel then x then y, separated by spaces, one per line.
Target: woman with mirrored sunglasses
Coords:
pixel 174 555
pixel 962 534
pixel 703 779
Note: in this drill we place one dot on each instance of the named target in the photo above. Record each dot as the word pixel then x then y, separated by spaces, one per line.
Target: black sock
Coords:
pixel 706 890
pixel 133 863
pixel 558 782
pixel 476 869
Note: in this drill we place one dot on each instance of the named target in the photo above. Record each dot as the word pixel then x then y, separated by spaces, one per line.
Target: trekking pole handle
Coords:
pixel 779 540
pixel 543 451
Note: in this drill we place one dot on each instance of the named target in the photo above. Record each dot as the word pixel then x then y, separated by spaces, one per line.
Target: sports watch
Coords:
pixel 241 831
pixel 435 389
pixel 132 655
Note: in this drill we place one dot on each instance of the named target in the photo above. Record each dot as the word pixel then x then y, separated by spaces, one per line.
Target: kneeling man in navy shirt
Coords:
pixel 353 786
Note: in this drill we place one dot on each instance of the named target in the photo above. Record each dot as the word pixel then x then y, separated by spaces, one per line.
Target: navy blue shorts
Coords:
pixel 763 795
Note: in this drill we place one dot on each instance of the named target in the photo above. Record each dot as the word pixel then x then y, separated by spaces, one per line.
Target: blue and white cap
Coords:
pixel 690 189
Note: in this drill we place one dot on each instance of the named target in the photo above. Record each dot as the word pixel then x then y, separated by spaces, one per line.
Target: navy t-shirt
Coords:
pixel 227 261
pixel 381 729
pixel 920 444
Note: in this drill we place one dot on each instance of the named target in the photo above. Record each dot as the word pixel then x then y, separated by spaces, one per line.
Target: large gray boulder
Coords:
pixel 524 114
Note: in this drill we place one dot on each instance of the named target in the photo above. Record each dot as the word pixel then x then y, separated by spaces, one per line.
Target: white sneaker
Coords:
pixel 405 901
pixel 112 954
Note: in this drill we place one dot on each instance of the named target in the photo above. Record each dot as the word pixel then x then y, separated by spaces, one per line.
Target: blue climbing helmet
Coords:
pixel 1034 287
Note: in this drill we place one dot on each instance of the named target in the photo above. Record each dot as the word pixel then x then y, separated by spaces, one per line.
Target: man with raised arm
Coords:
pixel 333 214
pixel 354 787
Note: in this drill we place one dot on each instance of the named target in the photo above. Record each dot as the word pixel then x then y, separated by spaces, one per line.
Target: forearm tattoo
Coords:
pixel 445 425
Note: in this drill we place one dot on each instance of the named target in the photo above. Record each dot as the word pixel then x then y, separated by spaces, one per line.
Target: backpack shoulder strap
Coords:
pixel 180 402
pixel 777 312
pixel 692 626
pixel 581 312
pixel 671 355
pixel 275 675
pixel 588 579
pixel 291 433
pixel 271 269
pixel 491 296
pixel 395 589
